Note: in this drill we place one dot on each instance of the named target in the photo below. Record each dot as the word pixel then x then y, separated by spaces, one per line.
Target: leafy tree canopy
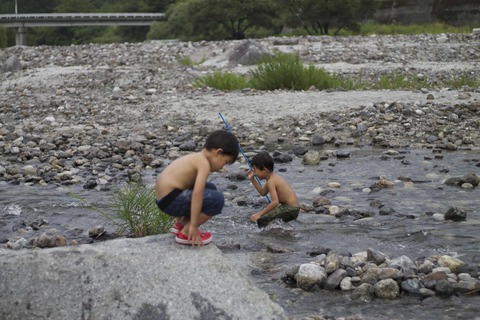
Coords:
pixel 319 16
pixel 214 18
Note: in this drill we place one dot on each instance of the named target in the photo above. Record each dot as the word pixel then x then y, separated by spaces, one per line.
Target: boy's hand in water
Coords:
pixel 255 217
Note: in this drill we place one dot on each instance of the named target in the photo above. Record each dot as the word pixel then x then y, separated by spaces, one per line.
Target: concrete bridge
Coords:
pixel 23 21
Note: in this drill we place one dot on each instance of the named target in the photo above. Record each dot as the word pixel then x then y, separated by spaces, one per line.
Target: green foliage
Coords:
pixel 3 37
pixel 319 16
pixel 187 62
pixel 432 28
pixel 177 24
pixel 135 212
pixel 76 6
pixel 223 81
pixel 160 30
pixel 395 81
pixel 286 71
pixel 110 35
pixel 464 80
pixel 216 19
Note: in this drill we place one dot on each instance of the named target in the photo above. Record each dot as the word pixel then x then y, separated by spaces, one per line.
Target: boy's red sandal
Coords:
pixel 176 227
pixel 205 237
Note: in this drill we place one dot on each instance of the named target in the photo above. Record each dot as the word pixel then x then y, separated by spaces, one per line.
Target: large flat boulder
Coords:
pixel 144 278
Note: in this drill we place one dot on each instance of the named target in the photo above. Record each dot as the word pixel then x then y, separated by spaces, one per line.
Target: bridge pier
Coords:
pixel 21 36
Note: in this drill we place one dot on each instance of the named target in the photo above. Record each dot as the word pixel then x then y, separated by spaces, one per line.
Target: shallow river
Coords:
pixel 264 255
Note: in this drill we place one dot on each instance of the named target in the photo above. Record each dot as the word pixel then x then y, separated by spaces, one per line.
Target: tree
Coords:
pixel 319 16
pixel 214 19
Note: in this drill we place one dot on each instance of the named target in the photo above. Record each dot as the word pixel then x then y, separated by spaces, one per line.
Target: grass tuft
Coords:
pixel 135 212
pixel 286 71
pixel 227 81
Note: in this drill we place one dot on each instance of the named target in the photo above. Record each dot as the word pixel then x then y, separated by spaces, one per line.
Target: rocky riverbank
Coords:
pixel 98 114
pixel 95 116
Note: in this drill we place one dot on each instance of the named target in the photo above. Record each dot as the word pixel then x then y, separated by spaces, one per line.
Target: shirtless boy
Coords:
pixel 284 202
pixel 183 192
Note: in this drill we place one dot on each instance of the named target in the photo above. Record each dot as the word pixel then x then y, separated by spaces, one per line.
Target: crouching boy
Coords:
pixel 183 192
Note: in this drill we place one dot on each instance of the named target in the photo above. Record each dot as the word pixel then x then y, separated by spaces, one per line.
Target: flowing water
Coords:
pixel 265 255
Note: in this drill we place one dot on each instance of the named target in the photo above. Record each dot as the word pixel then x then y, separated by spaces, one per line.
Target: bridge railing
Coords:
pixel 23 21
pixel 72 19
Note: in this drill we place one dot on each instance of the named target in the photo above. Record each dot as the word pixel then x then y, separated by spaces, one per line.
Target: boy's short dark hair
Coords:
pixel 224 140
pixel 263 160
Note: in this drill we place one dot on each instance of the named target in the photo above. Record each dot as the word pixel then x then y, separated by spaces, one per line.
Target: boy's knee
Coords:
pixel 219 204
pixel 213 203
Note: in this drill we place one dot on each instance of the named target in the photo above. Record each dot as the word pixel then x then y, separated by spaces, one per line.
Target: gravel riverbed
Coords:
pixel 93 116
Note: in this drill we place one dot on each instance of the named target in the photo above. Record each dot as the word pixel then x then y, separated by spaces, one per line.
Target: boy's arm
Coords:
pixel 197 201
pixel 263 190
pixel 270 185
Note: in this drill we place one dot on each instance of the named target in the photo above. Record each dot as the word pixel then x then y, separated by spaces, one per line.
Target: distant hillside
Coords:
pixel 456 12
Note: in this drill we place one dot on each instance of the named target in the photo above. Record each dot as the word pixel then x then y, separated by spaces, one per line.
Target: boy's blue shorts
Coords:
pixel 180 206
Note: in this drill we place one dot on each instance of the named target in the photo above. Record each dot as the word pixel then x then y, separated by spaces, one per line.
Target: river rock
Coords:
pixel 309 275
pixel 456 214
pixel 404 264
pixel 386 289
pixel 12 64
pixel 450 262
pixel 311 158
pixel 363 292
pixel 334 279
pixel 121 279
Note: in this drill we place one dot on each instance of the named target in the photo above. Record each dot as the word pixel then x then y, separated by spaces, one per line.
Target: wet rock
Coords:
pixel 376 256
pixel 363 292
pixel 456 214
pixel 310 275
pixel 318 251
pixel 386 289
pixel 96 232
pixel 386 211
pixel 299 150
pixel 334 279
pixel 332 262
pixel 450 262
pixel 279 157
pixel 426 267
pixel 444 288
pixel 49 241
pixel 412 286
pixel 320 201
pixel 342 154
pixel 318 139
pixel 346 284
pixel 188 146
pixel 18 244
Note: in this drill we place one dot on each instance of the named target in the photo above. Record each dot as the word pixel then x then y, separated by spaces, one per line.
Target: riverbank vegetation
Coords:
pixel 225 20
pixel 286 71
pixel 133 210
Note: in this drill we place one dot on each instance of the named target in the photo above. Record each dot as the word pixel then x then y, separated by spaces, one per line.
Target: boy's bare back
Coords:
pixel 182 174
pixel 284 192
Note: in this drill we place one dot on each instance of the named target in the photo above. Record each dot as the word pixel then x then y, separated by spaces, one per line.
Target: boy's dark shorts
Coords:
pixel 283 211
pixel 180 206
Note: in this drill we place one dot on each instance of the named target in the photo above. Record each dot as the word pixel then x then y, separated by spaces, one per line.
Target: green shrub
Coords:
pixel 286 71
pixel 3 37
pixel 222 81
pixel 135 212
pixel 430 28
pixel 463 80
pixel 395 81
